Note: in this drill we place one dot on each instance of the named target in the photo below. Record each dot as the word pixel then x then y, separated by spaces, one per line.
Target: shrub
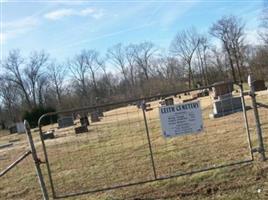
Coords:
pixel 33 116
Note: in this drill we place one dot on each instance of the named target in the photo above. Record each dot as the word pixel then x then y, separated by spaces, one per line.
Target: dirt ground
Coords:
pixel 115 152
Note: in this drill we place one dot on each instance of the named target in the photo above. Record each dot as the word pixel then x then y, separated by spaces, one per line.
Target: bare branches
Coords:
pixel 84 68
pixel 142 54
pixel 230 30
pixel 13 66
pixel 57 75
pixel 33 71
pixel 88 79
pixel 184 45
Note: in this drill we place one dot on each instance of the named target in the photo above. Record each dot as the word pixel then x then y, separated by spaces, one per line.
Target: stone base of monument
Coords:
pixel 148 109
pixel 226 106
pixel 100 113
pixel 94 117
pixel 81 129
pixel 48 135
pixel 169 101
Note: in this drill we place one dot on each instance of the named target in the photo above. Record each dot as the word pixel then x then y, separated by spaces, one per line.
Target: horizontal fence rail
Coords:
pixel 12 165
pixel 126 147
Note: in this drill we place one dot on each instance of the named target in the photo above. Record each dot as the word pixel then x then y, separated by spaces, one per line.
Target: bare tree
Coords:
pixel 258 63
pixel 131 64
pixel 143 53
pixel 230 30
pixel 41 86
pixel 79 70
pixel 84 68
pixel 218 63
pixel 33 73
pixel 169 69
pixel 117 54
pixel 184 45
pixel 13 66
pixel 106 78
pixel 93 64
pixel 9 96
pixel 202 51
pixel 57 75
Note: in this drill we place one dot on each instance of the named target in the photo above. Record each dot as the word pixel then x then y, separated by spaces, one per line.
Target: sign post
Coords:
pixel 181 119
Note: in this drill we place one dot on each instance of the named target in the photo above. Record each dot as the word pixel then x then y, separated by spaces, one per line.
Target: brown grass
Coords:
pixel 115 151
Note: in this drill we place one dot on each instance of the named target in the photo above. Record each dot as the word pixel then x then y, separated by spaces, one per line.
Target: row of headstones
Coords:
pixel 67 121
pixel 224 102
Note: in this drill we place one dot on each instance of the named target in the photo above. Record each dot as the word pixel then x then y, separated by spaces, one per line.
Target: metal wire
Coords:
pixel 126 147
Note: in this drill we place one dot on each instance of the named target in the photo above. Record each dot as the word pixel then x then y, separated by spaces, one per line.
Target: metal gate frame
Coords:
pixel 156 178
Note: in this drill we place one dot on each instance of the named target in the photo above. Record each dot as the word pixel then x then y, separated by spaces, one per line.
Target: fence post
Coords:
pixel 36 161
pixel 257 118
pixel 143 107
pixel 246 118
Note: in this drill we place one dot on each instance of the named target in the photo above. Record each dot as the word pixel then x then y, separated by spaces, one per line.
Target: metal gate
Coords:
pixel 126 146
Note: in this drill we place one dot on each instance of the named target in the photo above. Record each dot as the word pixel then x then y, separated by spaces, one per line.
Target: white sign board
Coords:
pixel 181 119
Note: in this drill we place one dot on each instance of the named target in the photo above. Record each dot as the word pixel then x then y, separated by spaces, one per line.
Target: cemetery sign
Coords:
pixel 181 119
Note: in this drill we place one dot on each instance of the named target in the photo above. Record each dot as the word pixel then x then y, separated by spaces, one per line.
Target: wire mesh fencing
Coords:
pixel 113 152
pixel 125 145
pixel 223 141
pixel 20 181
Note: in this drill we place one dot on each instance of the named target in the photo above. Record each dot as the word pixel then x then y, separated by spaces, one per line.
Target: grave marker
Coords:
pixel 94 117
pixel 65 121
pixel 224 102
pixel 81 129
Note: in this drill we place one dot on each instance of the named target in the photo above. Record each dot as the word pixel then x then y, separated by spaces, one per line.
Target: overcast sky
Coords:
pixel 63 28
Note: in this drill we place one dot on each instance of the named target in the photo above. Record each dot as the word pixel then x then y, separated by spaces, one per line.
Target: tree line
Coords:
pixel 131 71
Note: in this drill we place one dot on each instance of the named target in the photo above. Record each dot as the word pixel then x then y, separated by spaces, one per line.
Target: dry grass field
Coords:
pixel 115 151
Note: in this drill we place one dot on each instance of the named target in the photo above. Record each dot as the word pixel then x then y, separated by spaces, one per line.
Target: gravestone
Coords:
pixel 169 101
pixel 222 88
pixel 205 92
pixel 20 127
pixel 17 128
pixel 100 113
pixel 188 100
pixel 94 117
pixel 12 129
pixel 81 129
pixel 259 85
pixel 147 107
pixel 48 135
pixel 65 121
pixel 84 121
pixel 224 103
